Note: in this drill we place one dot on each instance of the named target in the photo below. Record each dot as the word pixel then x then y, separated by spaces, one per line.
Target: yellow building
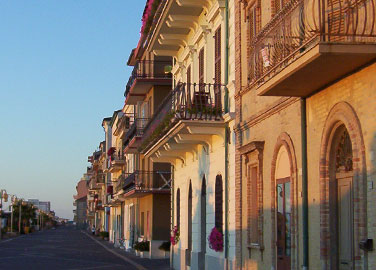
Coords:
pixel 305 134
pixel 189 123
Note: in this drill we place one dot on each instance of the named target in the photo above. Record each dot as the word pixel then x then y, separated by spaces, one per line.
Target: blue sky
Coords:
pixel 62 70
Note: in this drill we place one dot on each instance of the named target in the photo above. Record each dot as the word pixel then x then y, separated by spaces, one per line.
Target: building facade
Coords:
pixel 305 134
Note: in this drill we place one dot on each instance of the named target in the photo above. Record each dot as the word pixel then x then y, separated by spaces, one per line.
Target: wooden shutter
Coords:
pixel 201 66
pixel 253 207
pixel 218 66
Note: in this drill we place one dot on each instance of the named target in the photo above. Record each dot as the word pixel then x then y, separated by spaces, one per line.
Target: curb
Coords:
pixel 138 266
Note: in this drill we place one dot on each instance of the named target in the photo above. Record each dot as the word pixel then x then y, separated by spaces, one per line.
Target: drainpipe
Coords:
pixel 226 110
pixel 304 182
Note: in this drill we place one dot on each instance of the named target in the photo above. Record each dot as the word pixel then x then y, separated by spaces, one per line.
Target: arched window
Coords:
pixel 178 207
pixel 203 215
pixel 218 202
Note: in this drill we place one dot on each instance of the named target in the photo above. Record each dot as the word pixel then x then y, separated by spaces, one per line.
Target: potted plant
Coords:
pixel 175 235
pixel 143 249
pixel 104 235
pixel 165 247
pixel 216 240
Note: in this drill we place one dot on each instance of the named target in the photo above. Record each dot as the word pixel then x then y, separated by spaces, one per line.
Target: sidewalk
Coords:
pixel 140 263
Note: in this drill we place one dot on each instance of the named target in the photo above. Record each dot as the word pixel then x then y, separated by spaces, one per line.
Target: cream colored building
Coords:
pixel 191 128
pixel 306 125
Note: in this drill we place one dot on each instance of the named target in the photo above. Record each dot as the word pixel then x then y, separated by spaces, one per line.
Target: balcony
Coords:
pixel 132 138
pixel 310 44
pixel 93 186
pixel 145 74
pixel 124 124
pixel 189 116
pixel 141 183
pixel 117 162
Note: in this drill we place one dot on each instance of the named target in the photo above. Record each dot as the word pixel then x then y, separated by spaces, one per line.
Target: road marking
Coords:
pixel 138 266
pixel 5 241
pixel 94 267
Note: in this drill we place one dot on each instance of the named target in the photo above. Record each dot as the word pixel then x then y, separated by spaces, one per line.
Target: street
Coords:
pixel 69 249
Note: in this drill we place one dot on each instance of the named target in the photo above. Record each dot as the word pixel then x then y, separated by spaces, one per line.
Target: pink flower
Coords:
pixel 174 239
pixel 216 240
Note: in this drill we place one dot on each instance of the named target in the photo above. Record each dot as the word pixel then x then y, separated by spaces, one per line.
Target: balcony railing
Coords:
pixel 124 123
pixel 186 102
pixel 149 69
pixel 302 24
pixel 136 130
pixel 146 181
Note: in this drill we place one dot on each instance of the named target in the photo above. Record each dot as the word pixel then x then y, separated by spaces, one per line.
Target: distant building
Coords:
pixel 80 202
pixel 43 206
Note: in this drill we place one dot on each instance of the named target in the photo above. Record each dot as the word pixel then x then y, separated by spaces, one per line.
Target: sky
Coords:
pixel 62 70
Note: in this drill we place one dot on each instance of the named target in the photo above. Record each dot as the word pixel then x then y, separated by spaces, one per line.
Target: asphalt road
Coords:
pixel 63 248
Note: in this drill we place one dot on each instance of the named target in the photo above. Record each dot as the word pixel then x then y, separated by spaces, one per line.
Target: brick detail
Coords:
pixel 343 114
pixel 238 136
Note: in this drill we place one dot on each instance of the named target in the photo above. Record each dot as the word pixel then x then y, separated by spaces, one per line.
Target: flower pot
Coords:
pixel 27 230
pixel 137 253
pixel 145 254
pixel 167 254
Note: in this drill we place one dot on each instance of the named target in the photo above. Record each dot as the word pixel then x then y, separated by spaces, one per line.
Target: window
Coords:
pixel 254 18
pixel 178 207
pixel 252 155
pixel 218 202
pixel 201 66
pixel 217 67
pixel 253 204
pixel 142 223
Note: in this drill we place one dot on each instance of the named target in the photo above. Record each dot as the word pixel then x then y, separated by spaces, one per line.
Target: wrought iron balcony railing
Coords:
pixel 136 130
pixel 186 102
pixel 145 181
pixel 124 123
pixel 149 69
pixel 302 24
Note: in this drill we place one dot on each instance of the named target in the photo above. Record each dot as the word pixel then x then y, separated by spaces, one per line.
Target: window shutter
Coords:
pixel 201 66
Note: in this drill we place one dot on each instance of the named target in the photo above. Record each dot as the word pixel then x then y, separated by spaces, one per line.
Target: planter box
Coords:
pixel 167 254
pixel 145 254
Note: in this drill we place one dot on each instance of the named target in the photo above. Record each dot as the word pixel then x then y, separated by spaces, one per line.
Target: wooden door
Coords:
pixel 345 221
pixel 283 212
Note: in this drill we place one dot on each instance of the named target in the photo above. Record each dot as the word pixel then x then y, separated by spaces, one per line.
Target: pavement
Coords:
pixel 69 249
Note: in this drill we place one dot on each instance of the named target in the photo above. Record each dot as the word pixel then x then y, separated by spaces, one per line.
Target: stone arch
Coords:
pixel 342 114
pixel 285 144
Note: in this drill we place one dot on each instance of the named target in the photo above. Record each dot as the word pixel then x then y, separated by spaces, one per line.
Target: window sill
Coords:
pixel 256 246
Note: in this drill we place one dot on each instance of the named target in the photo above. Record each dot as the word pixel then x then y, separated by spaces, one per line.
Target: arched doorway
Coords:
pixel 283 209
pixel 343 175
pixel 189 219
pixel 203 220
pixel 218 211
pixel 341 206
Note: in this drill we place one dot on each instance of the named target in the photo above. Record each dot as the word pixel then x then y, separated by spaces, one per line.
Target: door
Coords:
pixel 345 222
pixel 203 221
pixel 189 250
pixel 132 225
pixel 283 213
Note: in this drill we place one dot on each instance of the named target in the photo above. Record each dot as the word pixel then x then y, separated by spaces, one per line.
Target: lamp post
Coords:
pixel 19 218
pixel 14 198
